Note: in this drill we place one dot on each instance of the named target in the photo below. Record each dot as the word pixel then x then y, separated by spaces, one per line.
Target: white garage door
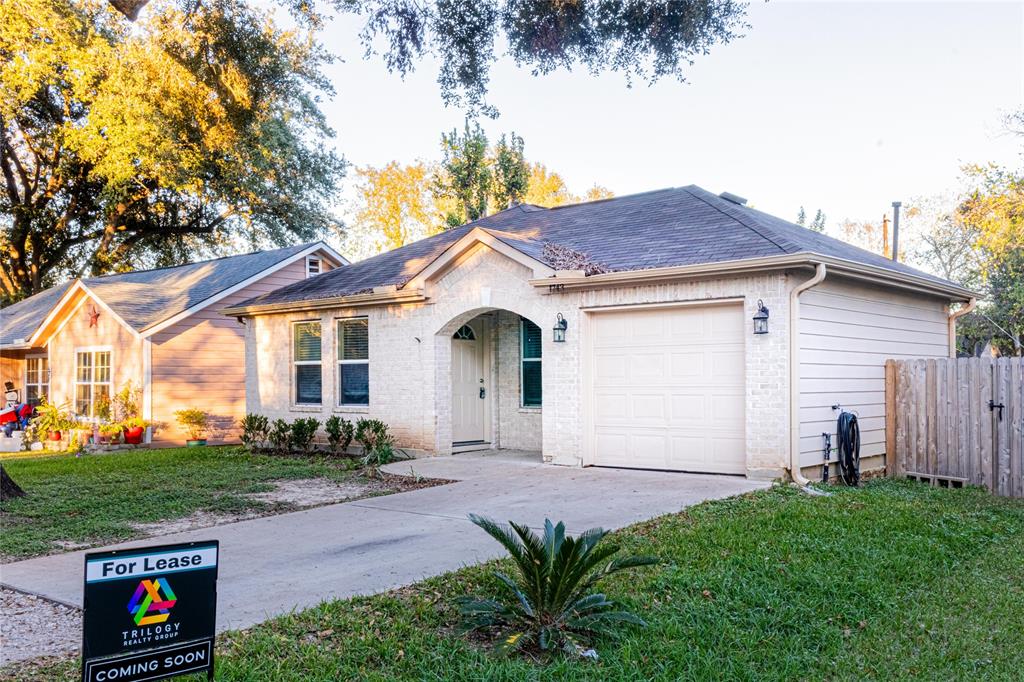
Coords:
pixel 668 388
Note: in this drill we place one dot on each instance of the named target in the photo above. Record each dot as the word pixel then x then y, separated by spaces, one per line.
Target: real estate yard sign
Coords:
pixel 149 613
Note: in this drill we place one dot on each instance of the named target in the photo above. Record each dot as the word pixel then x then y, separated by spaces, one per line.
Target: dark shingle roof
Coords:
pixel 19 320
pixel 146 297
pixel 664 228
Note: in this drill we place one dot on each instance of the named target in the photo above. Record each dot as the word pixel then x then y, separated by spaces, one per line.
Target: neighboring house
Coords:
pixel 158 329
pixel 451 340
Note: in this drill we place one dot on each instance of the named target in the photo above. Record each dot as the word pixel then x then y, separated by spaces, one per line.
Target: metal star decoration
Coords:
pixel 94 317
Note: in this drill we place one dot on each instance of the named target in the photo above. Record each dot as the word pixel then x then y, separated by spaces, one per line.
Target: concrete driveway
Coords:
pixel 272 565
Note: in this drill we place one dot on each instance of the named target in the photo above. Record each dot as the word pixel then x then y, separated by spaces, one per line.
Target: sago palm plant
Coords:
pixel 551 604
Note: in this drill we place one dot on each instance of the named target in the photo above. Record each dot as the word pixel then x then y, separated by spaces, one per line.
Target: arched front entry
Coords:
pixel 490 383
pixel 471 390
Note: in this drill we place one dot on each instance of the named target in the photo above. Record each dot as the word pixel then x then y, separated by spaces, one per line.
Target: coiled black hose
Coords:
pixel 849 448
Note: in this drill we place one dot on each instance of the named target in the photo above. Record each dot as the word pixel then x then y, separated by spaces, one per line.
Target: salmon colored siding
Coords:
pixel 200 362
pixel 108 333
pixel 12 368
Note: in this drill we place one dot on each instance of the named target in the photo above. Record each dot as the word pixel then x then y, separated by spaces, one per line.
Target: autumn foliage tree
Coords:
pixel 138 144
pixel 396 204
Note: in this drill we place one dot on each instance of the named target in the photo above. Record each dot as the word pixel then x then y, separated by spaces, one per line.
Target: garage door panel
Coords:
pixel 687 329
pixel 688 407
pixel 648 408
pixel 611 330
pixel 726 325
pixel 669 388
pixel 610 368
pixel 688 365
pixel 608 443
pixel 610 406
pixel 688 453
pixel 646 367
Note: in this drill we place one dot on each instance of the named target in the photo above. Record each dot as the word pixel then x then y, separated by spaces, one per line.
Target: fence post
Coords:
pixel 891 460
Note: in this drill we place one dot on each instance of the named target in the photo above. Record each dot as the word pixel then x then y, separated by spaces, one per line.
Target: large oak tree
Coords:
pixel 125 145
pixel 197 127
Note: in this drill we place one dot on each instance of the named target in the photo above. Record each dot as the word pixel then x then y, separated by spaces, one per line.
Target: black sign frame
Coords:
pixel 168 649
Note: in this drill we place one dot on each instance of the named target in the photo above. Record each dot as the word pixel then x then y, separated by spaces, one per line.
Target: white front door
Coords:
pixel 668 388
pixel 469 388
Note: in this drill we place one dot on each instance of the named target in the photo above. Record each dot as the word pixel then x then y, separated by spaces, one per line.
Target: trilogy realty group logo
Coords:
pixel 151 605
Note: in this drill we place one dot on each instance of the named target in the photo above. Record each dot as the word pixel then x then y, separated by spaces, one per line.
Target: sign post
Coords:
pixel 149 613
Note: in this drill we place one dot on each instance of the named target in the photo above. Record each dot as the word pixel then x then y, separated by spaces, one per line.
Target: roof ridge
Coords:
pixel 515 235
pixel 771 236
pixel 613 198
pixel 305 245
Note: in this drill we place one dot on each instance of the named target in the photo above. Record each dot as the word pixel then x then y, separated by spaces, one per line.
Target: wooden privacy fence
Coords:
pixel 956 421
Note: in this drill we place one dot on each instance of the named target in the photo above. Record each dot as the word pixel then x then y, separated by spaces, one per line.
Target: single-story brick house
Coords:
pixel 451 340
pixel 159 329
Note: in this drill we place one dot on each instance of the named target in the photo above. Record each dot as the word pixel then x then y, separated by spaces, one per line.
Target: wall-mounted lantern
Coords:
pixel 761 318
pixel 561 324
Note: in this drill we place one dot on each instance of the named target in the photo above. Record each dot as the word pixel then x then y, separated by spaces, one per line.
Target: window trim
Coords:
pixel 339 321
pixel 92 350
pixel 522 366
pixel 319 266
pixel 296 363
pixel 39 385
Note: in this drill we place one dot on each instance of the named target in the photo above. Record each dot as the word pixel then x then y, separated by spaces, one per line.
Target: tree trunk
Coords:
pixel 8 488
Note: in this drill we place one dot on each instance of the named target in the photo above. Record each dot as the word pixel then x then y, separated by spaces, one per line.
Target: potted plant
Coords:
pixel 110 433
pixel 103 408
pixel 134 430
pixel 51 420
pixel 196 423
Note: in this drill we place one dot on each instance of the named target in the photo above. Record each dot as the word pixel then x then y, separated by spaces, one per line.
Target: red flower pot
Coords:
pixel 133 436
pixel 54 435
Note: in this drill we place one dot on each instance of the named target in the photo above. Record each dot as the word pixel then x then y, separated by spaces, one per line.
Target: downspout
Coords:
pixel 147 385
pixel 953 317
pixel 794 373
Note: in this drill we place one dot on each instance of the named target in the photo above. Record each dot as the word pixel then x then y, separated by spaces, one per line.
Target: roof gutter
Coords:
pixel 670 273
pixel 794 372
pixel 381 296
pixel 848 268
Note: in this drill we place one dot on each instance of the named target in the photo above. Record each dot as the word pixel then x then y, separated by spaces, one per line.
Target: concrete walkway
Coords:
pixel 272 565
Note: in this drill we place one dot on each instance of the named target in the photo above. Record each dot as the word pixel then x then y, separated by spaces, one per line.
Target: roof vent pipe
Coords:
pixel 896 230
pixel 734 198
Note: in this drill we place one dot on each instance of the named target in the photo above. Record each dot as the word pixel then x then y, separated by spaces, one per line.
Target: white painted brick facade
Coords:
pixel 410 359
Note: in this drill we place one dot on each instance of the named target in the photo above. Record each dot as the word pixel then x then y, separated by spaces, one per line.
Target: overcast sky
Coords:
pixel 839 106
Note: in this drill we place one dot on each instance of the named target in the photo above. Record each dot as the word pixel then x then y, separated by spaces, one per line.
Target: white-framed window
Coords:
pixel 530 393
pixel 306 375
pixel 37 378
pixel 314 266
pixel 93 380
pixel 354 362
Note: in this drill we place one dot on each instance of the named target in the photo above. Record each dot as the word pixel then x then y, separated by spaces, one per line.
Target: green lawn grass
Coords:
pixel 94 499
pixel 890 581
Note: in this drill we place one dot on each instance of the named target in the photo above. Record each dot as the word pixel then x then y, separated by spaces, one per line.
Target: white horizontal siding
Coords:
pixel 847 332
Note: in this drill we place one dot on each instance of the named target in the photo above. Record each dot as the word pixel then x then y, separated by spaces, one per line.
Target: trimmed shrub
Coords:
pixel 303 433
pixel 255 430
pixel 340 433
pixel 378 443
pixel 280 436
